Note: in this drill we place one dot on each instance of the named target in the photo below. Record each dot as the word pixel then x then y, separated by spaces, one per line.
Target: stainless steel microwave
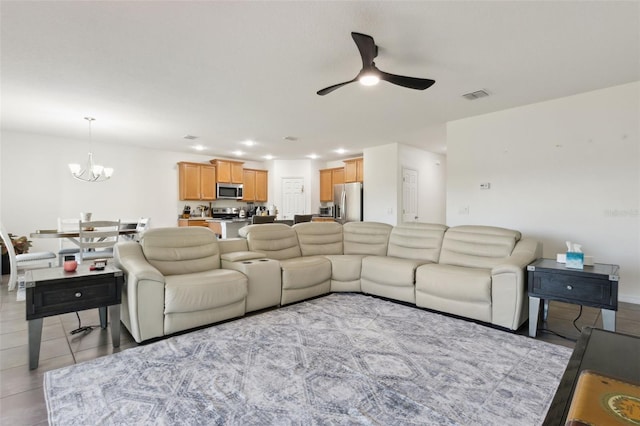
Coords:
pixel 229 191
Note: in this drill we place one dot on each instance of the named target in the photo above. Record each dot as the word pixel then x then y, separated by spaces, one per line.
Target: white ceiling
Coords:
pixel 151 72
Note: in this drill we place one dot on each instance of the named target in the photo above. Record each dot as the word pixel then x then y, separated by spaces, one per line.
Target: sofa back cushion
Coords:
pixel 419 241
pixel 319 238
pixel 184 250
pixel 275 240
pixel 370 238
pixel 477 246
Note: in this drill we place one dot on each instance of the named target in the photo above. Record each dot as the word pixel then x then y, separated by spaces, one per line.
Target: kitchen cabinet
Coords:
pixel 328 178
pixel 228 171
pixel 192 222
pixel 353 170
pixel 255 185
pixel 197 181
pixel 216 227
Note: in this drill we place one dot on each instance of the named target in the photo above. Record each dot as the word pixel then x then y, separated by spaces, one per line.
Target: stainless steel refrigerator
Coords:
pixel 347 202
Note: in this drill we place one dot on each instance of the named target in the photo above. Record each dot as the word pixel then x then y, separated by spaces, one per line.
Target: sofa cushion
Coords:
pixel 477 246
pixel 318 238
pixel 184 250
pixel 346 267
pixel 457 290
pixel 369 238
pixel 275 240
pixel 204 290
pixel 392 271
pixel 415 240
pixel 305 272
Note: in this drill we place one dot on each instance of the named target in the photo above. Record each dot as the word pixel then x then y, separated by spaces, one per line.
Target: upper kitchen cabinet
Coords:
pixel 254 188
pixel 353 170
pixel 197 181
pixel 228 171
pixel 328 178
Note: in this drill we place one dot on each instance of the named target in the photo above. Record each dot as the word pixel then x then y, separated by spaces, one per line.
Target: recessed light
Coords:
pixel 340 151
pixel 238 153
pixel 198 147
pixel 268 157
pixel 248 143
pixel 312 156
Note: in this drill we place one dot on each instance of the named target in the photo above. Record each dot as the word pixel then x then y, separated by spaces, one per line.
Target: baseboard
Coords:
pixel 629 299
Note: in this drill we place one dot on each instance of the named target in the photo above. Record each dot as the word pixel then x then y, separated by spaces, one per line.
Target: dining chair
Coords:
pixel 67 248
pixel 23 261
pixel 299 218
pixel 97 238
pixel 262 219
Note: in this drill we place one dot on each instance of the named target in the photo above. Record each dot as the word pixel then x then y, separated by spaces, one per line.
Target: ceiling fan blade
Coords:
pixel 367 47
pixel 334 87
pixel 410 82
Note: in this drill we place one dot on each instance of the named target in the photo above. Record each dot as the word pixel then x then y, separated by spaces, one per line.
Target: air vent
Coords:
pixel 475 95
pixel 190 137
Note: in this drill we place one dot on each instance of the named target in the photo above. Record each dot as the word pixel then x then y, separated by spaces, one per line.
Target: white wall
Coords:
pixel 566 169
pixel 36 186
pixel 383 183
pixel 432 174
pixel 380 188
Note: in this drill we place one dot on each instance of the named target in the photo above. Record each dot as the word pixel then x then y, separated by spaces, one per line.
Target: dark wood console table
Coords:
pixel 52 291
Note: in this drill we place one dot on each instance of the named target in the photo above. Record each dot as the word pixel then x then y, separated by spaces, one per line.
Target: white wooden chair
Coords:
pixel 141 226
pixel 66 247
pixel 23 261
pixel 97 239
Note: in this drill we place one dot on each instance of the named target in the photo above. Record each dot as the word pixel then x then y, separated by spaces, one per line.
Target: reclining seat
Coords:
pixel 174 282
pixel 411 244
pixel 302 277
pixel 480 274
pixel 325 239
pixel 360 239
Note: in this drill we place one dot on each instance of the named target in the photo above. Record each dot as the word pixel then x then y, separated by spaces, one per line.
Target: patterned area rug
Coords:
pixel 340 359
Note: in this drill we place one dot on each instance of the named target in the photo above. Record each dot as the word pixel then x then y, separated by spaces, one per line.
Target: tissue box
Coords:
pixel 575 260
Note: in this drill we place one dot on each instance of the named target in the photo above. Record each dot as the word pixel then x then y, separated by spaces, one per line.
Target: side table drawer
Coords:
pixel 577 289
pixel 69 297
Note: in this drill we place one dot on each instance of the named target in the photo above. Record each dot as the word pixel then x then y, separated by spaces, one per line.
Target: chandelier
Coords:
pixel 91 172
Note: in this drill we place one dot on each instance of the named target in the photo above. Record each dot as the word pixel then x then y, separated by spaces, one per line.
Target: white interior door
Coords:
pixel 292 197
pixel 409 195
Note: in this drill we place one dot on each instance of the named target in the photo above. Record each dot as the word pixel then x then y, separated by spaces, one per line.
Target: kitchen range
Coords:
pixel 231 219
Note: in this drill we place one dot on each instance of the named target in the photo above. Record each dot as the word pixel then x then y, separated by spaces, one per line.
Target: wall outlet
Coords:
pixel 485 185
pixel 463 210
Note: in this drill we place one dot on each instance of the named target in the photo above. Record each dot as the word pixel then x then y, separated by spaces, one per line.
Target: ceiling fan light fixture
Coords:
pixel 369 79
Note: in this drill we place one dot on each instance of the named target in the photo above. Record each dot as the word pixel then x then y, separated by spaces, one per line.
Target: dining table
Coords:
pixel 71 235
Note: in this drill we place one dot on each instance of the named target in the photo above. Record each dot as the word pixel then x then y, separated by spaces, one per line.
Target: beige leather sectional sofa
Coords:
pixel 182 278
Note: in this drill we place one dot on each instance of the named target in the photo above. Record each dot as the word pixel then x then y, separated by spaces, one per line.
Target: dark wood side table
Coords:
pixel 595 286
pixel 608 353
pixel 53 291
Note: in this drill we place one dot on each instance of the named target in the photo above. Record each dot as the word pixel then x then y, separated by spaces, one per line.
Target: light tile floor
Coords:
pixel 21 396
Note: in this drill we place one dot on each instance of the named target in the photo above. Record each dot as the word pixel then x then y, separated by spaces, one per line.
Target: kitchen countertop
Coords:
pixel 228 220
pixel 195 218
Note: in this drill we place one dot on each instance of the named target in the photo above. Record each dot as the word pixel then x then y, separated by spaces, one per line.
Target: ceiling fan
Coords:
pixel 370 75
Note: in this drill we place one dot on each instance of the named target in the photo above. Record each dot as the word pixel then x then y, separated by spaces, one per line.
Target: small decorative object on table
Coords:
pixel 575 257
pixel 98 265
pixel 70 263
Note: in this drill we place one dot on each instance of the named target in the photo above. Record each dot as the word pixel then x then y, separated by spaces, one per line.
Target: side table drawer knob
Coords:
pixel 78 294
pixel 569 287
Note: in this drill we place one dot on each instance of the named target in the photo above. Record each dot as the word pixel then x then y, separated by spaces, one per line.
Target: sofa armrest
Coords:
pixel 143 293
pixel 239 256
pixel 525 252
pixel 508 285
pixel 130 258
